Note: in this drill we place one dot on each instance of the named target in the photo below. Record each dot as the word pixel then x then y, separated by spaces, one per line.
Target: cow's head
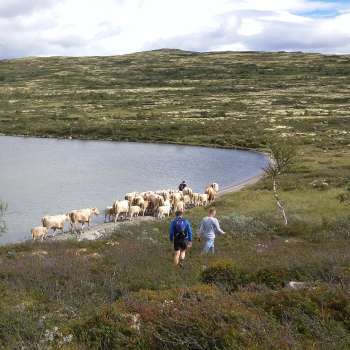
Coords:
pixel 95 211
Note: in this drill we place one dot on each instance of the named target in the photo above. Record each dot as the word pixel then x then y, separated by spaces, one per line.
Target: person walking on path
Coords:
pixel 208 229
pixel 181 235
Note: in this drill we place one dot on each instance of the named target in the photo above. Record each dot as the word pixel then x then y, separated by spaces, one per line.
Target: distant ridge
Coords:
pixel 174 51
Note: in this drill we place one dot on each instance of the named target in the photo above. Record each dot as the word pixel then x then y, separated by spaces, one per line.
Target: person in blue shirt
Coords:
pixel 180 234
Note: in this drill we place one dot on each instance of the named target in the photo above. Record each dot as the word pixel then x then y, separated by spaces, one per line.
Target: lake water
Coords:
pixel 49 176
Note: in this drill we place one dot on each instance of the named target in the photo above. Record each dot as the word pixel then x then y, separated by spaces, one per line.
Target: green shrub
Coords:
pixel 246 226
pixel 225 274
pixel 311 313
pixel 202 317
pixel 190 319
pixel 106 330
pixel 230 277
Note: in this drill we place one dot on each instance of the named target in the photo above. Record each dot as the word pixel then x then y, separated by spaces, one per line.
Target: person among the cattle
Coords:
pixel 182 185
pixel 181 235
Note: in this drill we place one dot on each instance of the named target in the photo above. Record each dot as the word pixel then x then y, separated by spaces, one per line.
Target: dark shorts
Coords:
pixel 180 244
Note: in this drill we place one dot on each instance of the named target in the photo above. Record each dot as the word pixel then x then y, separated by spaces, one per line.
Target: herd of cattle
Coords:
pixel 156 203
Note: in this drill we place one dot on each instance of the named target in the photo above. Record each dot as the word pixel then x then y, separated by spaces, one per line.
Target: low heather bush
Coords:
pixel 230 277
pixel 203 317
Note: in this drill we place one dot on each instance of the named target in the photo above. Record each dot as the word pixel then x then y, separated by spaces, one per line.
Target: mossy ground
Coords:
pixel 123 292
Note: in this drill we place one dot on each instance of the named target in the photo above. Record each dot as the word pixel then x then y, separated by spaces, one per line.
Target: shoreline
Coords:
pixel 146 141
pixel 104 230
pixel 242 185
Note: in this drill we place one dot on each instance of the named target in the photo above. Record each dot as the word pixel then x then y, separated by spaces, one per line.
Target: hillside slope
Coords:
pixel 221 99
pixel 122 292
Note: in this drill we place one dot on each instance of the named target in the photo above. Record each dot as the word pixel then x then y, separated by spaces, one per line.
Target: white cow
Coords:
pixel 55 222
pixel 180 206
pixel 163 211
pixel 187 200
pixel 130 196
pixel 203 199
pixel 82 216
pixel 215 186
pixel 120 208
pixel 211 194
pixel 134 210
pixel 39 232
pixel 196 199
pixel 108 212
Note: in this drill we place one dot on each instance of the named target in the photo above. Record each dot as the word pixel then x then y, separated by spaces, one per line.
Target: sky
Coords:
pixel 110 27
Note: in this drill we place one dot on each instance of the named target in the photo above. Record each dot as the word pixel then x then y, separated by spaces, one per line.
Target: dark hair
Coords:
pixel 179 213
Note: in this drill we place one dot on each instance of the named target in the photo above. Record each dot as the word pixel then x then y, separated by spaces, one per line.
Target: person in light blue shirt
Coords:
pixel 208 229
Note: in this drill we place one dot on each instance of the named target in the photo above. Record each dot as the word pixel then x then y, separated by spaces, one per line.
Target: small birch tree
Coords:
pixel 282 157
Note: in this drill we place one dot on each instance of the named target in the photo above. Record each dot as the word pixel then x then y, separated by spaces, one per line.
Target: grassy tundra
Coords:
pixel 122 292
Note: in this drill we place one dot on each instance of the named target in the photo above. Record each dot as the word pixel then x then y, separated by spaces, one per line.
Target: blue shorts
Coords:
pixel 208 246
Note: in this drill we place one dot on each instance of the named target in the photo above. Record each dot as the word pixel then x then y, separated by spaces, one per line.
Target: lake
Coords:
pixel 49 176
